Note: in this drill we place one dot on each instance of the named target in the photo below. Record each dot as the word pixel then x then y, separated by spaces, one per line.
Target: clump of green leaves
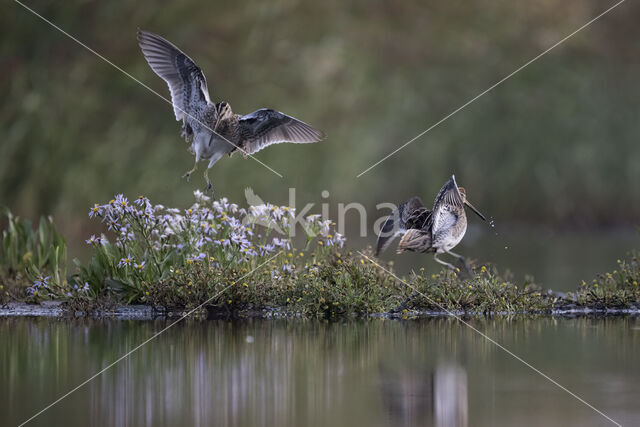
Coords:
pixel 616 289
pixel 28 253
pixel 320 282
pixel 486 292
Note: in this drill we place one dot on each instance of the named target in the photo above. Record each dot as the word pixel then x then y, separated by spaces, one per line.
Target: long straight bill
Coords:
pixel 475 210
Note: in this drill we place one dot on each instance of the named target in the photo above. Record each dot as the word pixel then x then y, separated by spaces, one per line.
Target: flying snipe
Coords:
pixel 423 230
pixel 214 129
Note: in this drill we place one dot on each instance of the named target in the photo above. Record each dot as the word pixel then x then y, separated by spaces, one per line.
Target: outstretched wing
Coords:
pixel 448 196
pixel 265 127
pixel 186 82
pixel 410 214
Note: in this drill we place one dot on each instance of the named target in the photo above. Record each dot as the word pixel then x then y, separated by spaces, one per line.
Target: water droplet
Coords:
pixel 506 247
pixel 492 224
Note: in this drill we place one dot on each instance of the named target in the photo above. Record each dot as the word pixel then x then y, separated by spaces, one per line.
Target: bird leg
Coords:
pixel 463 261
pixel 450 266
pixel 209 185
pixel 187 175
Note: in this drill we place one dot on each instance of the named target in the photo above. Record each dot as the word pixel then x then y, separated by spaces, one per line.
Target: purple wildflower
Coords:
pixel 96 210
pixel 126 262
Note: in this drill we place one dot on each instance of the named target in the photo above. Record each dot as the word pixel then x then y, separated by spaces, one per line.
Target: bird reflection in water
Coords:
pixel 436 397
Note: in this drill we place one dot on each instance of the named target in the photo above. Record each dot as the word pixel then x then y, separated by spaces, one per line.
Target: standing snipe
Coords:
pixel 213 127
pixel 422 230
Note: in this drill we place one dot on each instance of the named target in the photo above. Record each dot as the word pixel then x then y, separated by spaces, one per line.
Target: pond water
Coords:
pixel 375 372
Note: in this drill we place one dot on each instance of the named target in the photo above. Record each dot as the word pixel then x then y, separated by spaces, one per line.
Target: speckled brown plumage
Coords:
pixel 212 128
pixel 431 231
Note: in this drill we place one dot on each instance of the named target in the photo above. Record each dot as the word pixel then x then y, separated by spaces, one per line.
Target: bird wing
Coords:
pixel 389 231
pixel 409 214
pixel 443 216
pixel 265 127
pixel 448 195
pixel 420 218
pixel 187 84
pixel 442 220
pixel 252 198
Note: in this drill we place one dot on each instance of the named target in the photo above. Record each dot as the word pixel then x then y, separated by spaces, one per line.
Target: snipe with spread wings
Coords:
pixel 212 128
pixel 434 231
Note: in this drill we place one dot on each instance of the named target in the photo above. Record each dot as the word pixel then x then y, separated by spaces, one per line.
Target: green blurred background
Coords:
pixel 554 148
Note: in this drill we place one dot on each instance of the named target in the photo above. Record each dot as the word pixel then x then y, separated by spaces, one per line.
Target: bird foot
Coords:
pixel 468 270
pixel 209 189
pixel 466 267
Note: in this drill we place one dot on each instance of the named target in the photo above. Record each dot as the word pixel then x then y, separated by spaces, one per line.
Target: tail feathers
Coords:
pixel 415 240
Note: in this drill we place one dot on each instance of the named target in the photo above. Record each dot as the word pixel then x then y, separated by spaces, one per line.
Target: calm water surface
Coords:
pixel 314 373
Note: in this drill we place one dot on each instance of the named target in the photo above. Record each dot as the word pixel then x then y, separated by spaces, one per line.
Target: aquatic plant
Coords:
pixel 240 261
pixel 487 292
pixel 616 289
pixel 168 256
pixel 235 259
